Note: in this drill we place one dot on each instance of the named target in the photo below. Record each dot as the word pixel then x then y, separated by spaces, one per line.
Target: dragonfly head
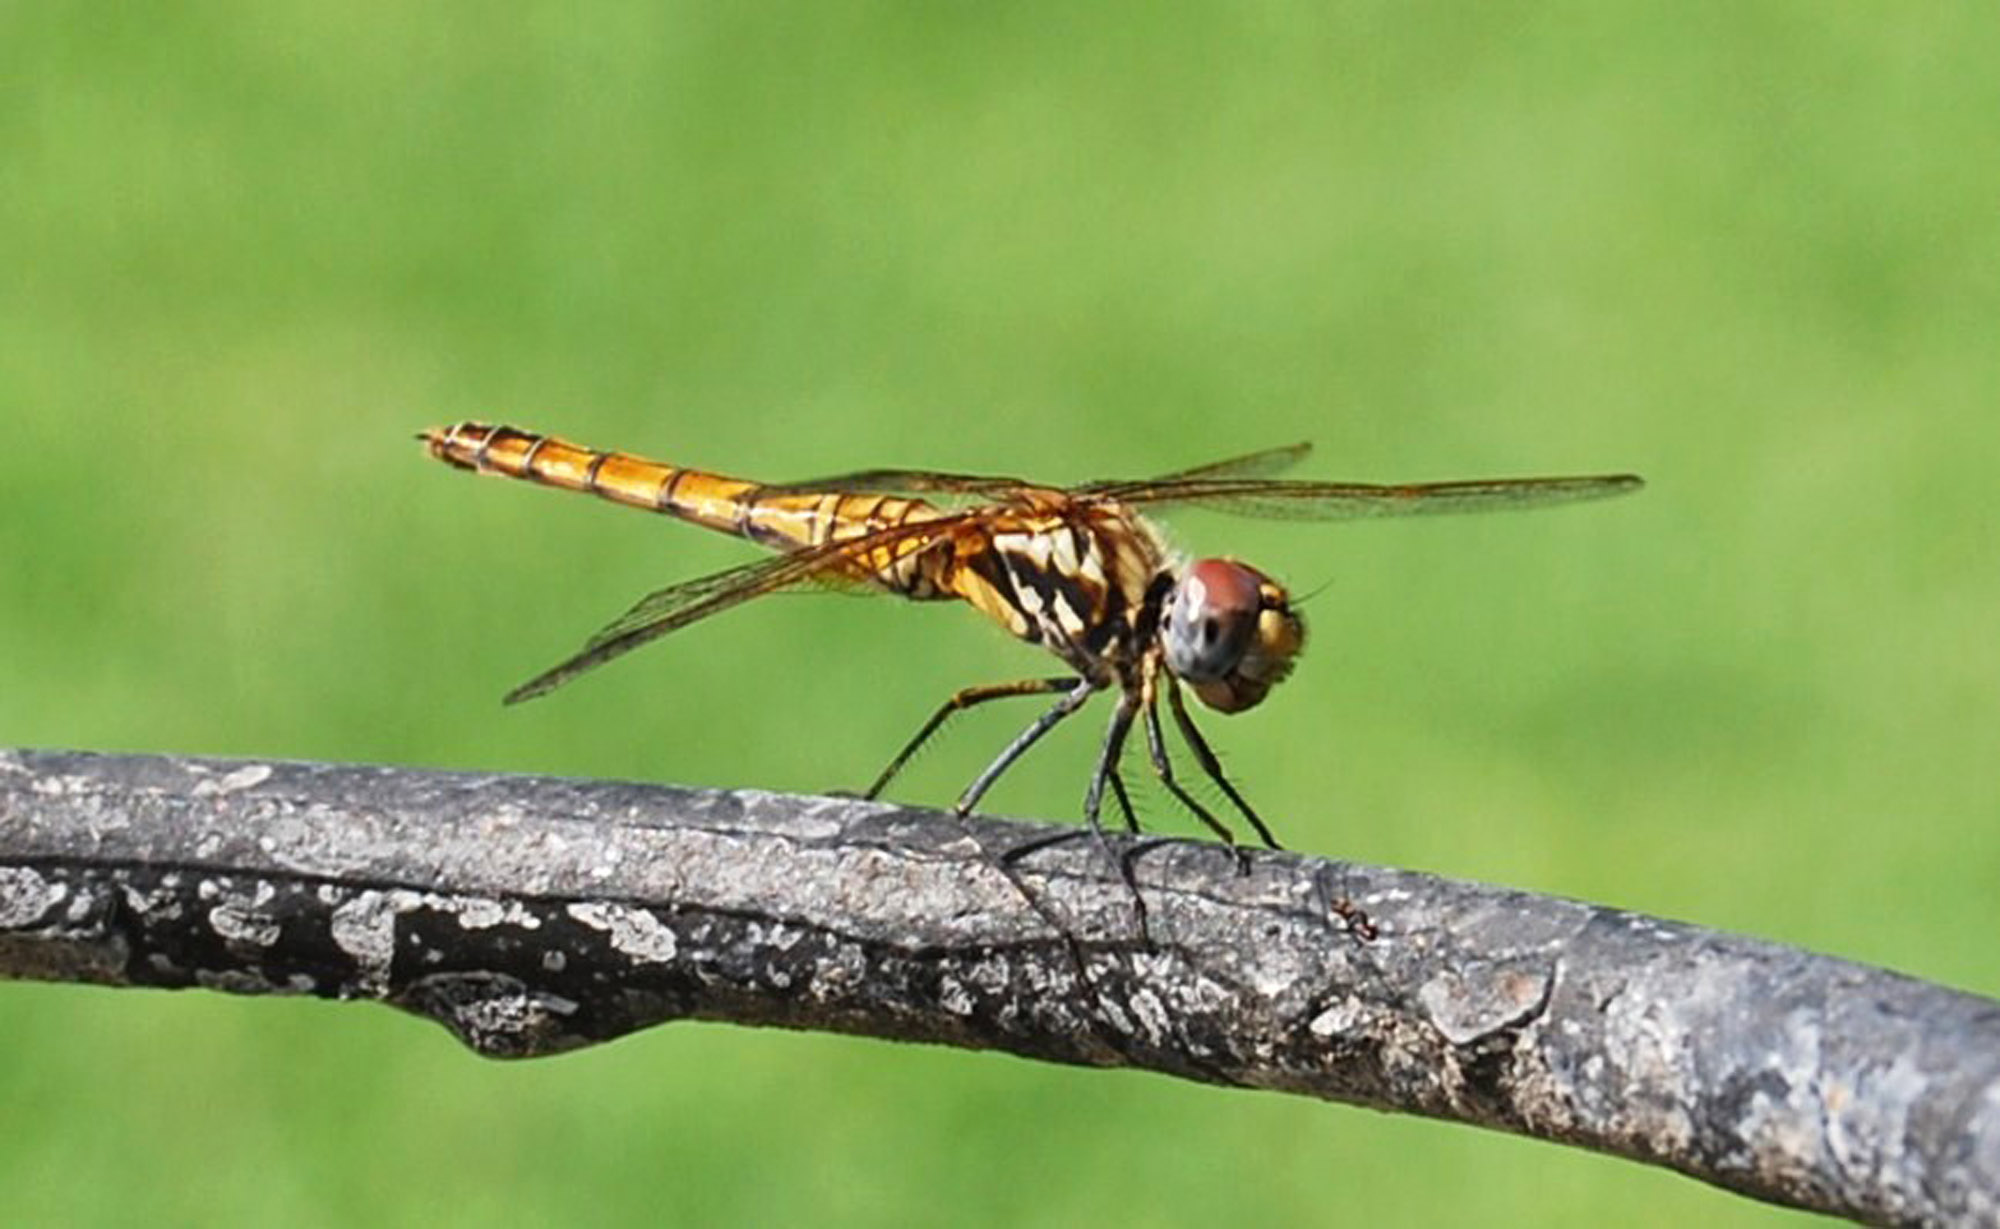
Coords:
pixel 1230 633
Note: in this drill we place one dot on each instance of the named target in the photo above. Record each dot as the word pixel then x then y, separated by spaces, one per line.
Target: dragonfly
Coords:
pixel 1080 571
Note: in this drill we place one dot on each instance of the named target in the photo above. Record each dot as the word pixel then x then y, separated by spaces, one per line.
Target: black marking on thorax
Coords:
pixel 1153 609
pixel 1064 582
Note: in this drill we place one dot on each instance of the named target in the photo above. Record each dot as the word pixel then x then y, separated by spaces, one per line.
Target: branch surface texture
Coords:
pixel 532 915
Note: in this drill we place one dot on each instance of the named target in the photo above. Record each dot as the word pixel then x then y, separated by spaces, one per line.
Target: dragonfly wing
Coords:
pixel 909 482
pixel 676 606
pixel 1016 490
pixel 1261 464
pixel 1341 501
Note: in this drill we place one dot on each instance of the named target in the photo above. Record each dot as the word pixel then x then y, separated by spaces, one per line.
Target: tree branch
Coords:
pixel 531 915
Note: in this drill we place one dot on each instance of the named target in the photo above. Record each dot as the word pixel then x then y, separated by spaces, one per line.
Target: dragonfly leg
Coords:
pixel 1093 800
pixel 957 704
pixel 1107 774
pixel 1072 700
pixel 1141 843
pixel 1156 749
pixel 1205 756
pixel 1353 915
pixel 1107 763
pixel 1040 843
pixel 1124 802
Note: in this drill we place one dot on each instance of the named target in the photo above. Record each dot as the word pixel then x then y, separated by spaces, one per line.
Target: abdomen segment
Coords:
pixel 787 520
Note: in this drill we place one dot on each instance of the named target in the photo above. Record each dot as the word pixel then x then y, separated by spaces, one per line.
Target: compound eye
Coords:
pixel 1211 619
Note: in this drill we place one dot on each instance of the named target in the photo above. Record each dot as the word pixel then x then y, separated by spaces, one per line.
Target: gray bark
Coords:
pixel 533 915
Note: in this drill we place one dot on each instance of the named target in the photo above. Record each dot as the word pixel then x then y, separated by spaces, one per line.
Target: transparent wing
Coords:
pixel 1261 464
pixel 910 482
pixel 676 606
pixel 1337 501
pixel 1015 490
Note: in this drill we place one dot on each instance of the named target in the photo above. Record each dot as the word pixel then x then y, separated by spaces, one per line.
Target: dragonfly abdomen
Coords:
pixel 784 520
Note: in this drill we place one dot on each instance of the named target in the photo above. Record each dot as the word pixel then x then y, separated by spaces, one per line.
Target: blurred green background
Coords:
pixel 1751 251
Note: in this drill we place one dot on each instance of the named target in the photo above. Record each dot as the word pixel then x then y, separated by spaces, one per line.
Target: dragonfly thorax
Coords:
pixel 1229 632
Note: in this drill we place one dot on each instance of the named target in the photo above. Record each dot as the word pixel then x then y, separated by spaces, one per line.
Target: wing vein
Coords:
pixel 678 605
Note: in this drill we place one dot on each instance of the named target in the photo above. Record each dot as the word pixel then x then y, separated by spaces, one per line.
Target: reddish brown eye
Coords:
pixel 1211 619
pixel 1230 633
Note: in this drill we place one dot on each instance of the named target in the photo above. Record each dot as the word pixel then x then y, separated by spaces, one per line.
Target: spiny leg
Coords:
pixel 1138 846
pixel 1107 763
pixel 957 704
pixel 1093 800
pixel 1106 774
pixel 1080 692
pixel 1205 756
pixel 1156 750
pixel 1124 802
pixel 1353 915
pixel 1074 699
pixel 1053 839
